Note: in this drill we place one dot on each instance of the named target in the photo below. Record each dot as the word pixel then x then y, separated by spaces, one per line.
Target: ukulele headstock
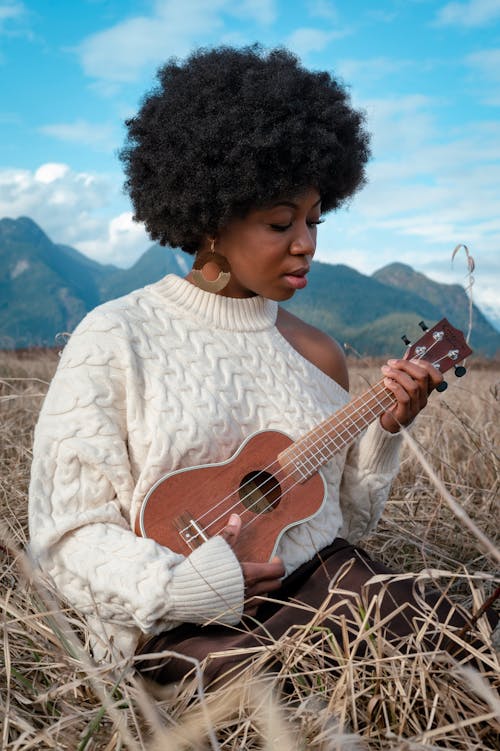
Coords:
pixel 442 345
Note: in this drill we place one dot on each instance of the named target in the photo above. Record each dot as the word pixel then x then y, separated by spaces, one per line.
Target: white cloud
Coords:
pixel 51 194
pixel 13 16
pixel 487 299
pixel 440 193
pixel 9 11
pixel 323 9
pixel 429 190
pixel 261 11
pixel 48 173
pixel 486 64
pixel 21 189
pixel 399 125
pixel 122 52
pixel 74 208
pixel 100 137
pixel 305 40
pixel 371 70
pixel 382 15
pixel 118 242
pixel 473 13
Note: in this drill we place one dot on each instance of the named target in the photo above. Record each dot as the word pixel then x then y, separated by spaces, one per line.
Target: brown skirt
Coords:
pixel 337 576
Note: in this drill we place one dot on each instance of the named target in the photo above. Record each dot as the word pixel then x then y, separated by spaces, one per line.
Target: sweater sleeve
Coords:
pixel 81 499
pixel 371 465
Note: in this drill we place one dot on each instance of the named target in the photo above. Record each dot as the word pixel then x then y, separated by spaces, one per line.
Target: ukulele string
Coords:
pixel 373 397
pixel 347 420
pixel 255 515
pixel 379 385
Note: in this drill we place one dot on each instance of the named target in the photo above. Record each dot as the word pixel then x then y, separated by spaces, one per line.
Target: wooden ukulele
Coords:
pixel 271 481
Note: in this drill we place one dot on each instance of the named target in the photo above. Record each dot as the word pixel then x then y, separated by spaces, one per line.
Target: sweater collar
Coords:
pixel 234 314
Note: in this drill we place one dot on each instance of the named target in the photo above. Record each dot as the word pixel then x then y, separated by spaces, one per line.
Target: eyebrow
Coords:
pixel 292 205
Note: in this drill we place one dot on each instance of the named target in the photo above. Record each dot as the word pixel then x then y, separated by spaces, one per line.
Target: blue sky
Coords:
pixel 427 74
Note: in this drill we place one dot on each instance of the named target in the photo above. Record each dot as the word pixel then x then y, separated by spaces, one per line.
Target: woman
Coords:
pixel 233 157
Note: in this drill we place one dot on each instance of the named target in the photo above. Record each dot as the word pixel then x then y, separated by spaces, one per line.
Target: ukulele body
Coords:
pixel 188 506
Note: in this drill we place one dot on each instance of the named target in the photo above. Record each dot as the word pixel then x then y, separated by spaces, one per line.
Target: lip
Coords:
pixel 299 272
pixel 297 278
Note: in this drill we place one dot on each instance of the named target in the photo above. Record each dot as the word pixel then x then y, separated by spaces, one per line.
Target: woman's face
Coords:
pixel 270 249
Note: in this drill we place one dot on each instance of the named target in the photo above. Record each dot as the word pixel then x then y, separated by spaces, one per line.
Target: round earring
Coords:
pixel 212 263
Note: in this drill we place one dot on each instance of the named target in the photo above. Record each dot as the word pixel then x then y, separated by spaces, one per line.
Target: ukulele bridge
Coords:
pixel 190 531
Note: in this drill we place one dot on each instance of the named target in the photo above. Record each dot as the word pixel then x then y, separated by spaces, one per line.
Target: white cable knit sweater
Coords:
pixel 168 377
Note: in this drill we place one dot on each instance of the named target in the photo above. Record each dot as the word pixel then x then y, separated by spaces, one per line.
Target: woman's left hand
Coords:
pixel 411 382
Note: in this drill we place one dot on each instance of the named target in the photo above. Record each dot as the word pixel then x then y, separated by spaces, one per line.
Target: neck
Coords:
pixel 249 314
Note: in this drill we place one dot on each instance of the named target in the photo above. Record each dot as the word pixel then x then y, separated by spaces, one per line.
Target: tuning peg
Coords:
pixel 423 326
pixel 460 371
pixel 406 340
pixel 442 386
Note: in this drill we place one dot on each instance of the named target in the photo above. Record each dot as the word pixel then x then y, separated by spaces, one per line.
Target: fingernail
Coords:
pixel 385 369
pixel 392 362
pixel 233 519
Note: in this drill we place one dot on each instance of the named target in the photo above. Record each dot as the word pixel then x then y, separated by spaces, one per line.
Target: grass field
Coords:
pixel 443 517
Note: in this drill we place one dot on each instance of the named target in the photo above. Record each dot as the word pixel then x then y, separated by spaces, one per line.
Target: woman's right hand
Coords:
pixel 260 578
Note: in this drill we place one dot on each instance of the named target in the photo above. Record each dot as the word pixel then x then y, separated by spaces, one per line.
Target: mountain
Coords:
pixel 450 299
pixel 363 313
pixel 151 266
pixel 46 288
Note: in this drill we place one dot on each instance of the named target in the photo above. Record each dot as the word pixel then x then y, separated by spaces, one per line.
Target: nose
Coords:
pixel 304 241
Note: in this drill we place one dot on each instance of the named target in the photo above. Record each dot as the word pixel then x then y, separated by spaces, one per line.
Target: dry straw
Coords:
pixel 442 521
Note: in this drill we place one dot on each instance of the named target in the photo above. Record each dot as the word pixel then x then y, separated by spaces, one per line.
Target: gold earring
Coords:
pixel 205 260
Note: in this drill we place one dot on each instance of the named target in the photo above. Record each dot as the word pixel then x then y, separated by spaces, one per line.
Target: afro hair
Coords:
pixel 229 130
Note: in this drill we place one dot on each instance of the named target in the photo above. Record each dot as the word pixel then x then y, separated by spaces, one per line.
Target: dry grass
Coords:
pixel 53 697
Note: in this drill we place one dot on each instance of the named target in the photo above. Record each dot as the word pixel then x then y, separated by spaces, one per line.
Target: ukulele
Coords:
pixel 271 481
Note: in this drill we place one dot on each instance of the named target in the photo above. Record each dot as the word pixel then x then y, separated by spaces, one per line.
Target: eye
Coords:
pixel 280 227
pixel 315 222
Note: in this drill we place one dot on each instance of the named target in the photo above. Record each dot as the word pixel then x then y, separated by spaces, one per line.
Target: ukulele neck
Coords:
pixel 314 449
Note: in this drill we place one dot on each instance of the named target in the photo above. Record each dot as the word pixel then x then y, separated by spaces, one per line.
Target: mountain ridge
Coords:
pixel 368 314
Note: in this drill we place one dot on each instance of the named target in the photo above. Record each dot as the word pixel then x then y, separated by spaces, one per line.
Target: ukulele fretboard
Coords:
pixel 314 449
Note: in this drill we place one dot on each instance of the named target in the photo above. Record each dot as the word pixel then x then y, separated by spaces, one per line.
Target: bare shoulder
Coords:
pixel 316 346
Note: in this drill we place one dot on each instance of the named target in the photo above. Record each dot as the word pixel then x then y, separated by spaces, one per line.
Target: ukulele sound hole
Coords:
pixel 259 492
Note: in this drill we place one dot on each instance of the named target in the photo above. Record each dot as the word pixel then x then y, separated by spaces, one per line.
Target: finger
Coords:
pixel 413 383
pixel 424 372
pixel 256 572
pixel 416 380
pixel 410 394
pixel 263 587
pixel 231 531
pixel 434 376
pixel 409 371
pixel 260 580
